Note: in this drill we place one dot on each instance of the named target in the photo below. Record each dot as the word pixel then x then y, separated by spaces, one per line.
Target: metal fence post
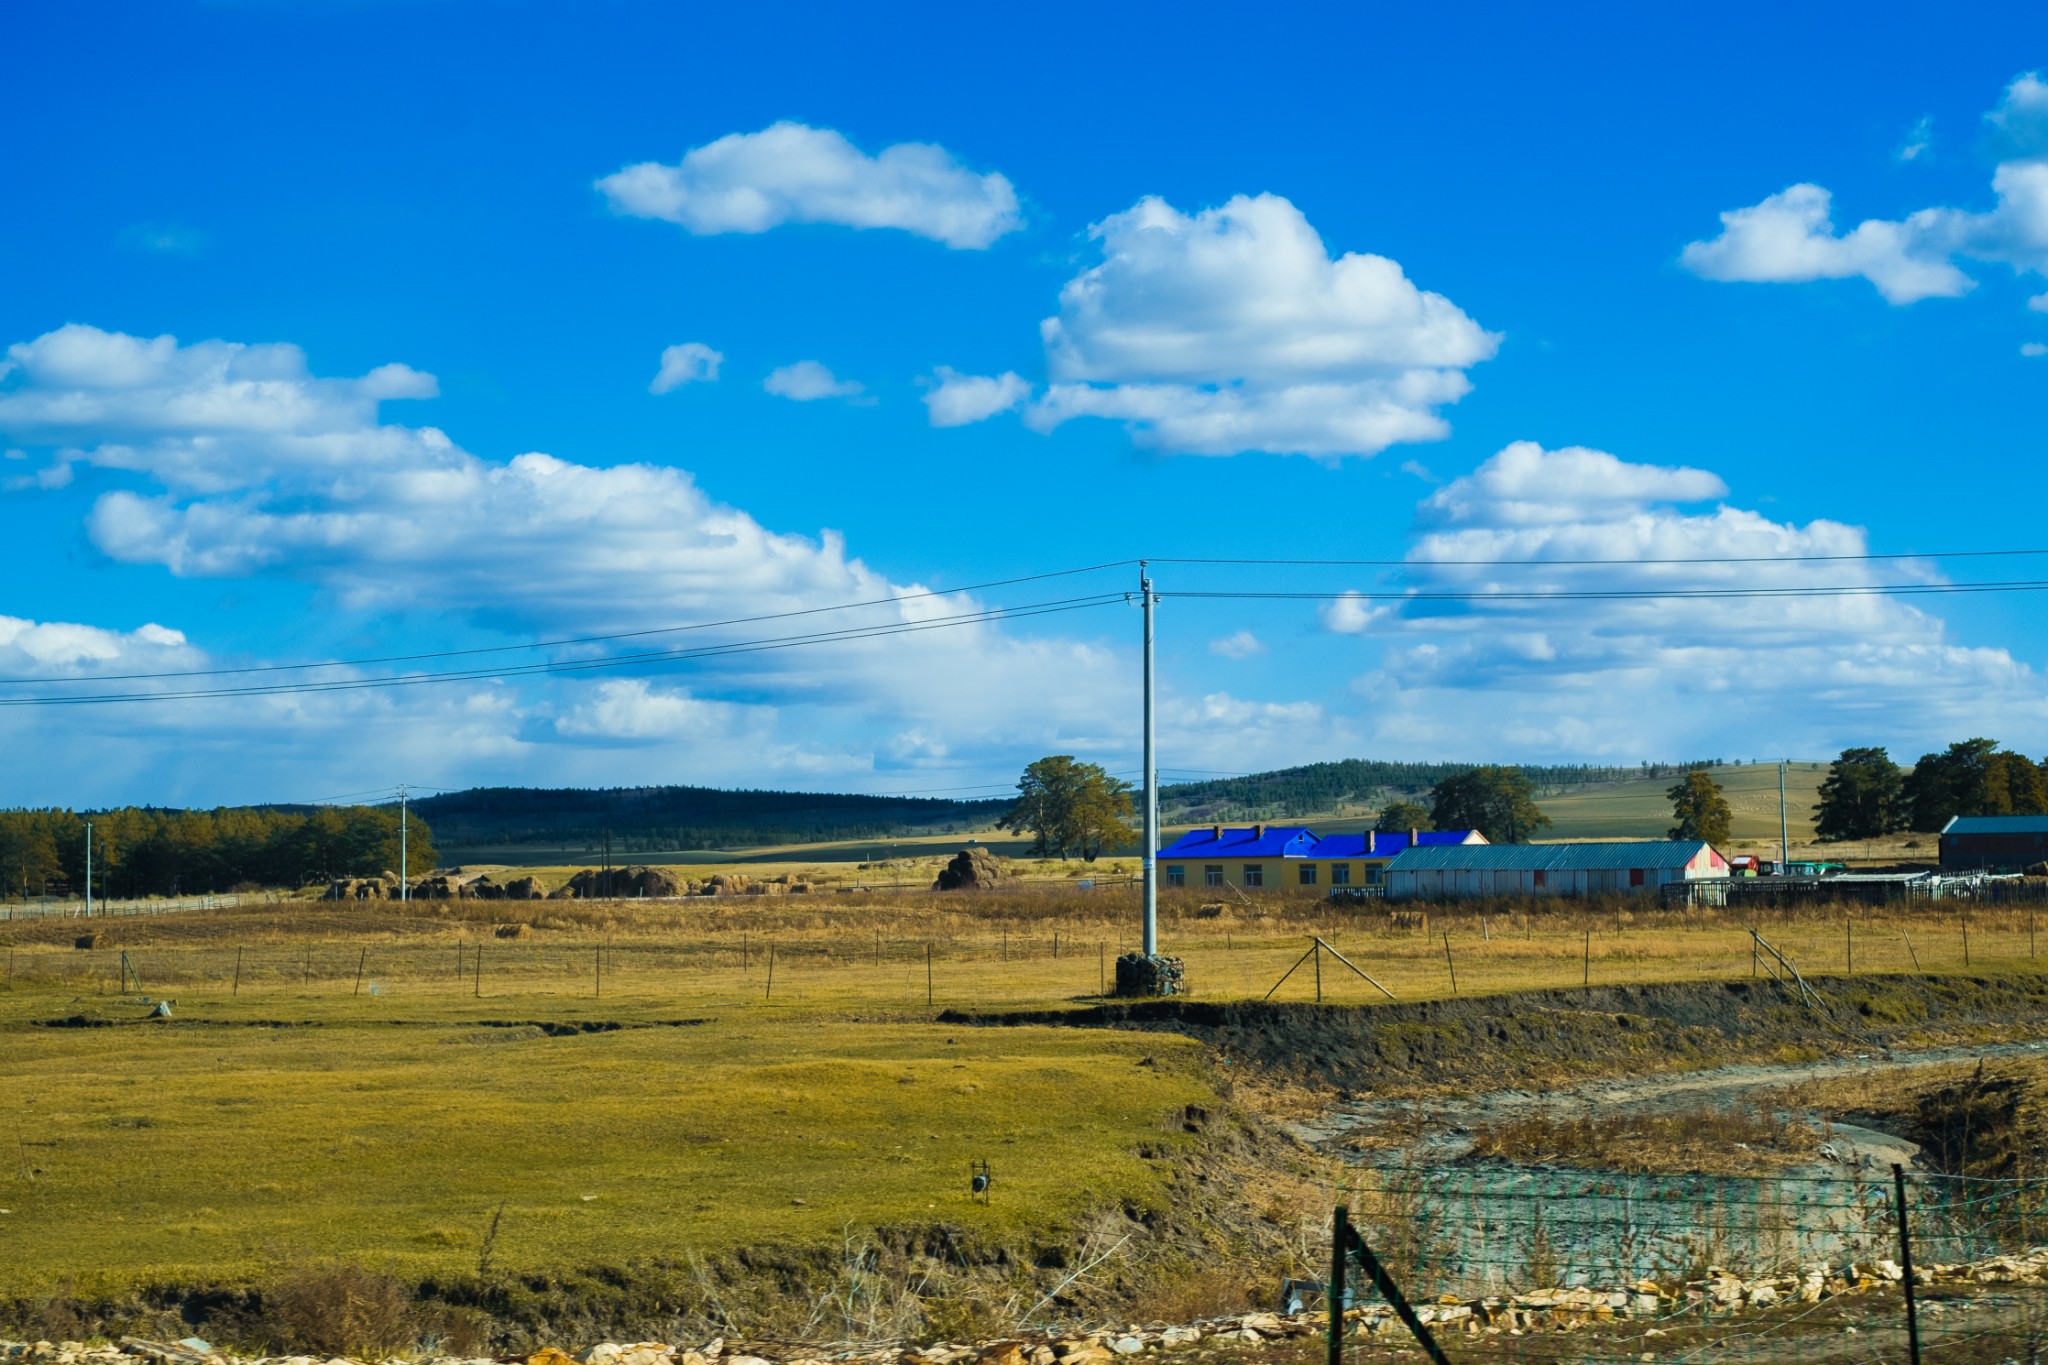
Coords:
pixel 1906 1261
pixel 1340 1223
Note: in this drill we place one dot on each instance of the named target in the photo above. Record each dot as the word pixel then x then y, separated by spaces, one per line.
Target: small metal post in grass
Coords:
pixel 235 989
pixel 1102 969
pixel 927 973
pixel 1452 965
pixel 1906 1262
pixel 771 977
pixel 1587 979
pixel 878 947
pixel 2030 934
pixel 1334 1296
pixel 1055 945
pixel 1965 917
pixel 600 973
pixel 360 960
pixel 1006 943
pixel 1849 942
pixel 479 971
pixel 1909 949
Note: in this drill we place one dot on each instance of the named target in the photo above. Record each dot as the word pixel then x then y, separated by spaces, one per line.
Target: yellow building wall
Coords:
pixel 1275 873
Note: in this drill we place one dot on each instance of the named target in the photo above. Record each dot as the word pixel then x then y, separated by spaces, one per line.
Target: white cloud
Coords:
pixel 806 381
pixel 1632 677
pixel 381 518
pixel 1790 237
pixel 1233 329
pixel 2033 349
pixel 793 173
pixel 688 363
pixel 1351 614
pixel 1919 140
pixel 1240 644
pixel 961 399
pixel 59 648
pixel 1524 484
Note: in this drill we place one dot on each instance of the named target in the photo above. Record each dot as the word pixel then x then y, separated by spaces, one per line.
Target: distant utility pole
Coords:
pixel 1150 779
pixel 1784 836
pixel 404 868
pixel 88 869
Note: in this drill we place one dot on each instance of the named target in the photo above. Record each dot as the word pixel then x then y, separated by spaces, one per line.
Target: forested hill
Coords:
pixel 1363 784
pixel 687 817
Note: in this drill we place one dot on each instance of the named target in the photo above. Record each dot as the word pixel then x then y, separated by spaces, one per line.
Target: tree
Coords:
pixel 1398 817
pixel 1070 807
pixel 1700 809
pixel 1973 777
pixel 1864 797
pixel 1498 802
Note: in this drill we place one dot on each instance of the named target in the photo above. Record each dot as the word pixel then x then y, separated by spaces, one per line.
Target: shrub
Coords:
pixel 340 1309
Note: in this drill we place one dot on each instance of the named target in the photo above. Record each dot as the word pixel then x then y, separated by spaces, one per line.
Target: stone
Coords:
pixel 1127 1346
pixel 1042 1355
pixel 1180 1336
pixel 548 1355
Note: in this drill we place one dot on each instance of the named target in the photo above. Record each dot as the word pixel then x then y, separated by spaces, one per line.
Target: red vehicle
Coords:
pixel 1744 865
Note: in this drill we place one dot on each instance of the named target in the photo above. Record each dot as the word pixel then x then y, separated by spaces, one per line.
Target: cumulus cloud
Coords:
pixel 1233 329
pixel 306 481
pixel 961 399
pixel 690 363
pixel 1584 674
pixel 807 381
pixel 793 173
pixel 1791 237
pixel 1239 644
pixel 1351 614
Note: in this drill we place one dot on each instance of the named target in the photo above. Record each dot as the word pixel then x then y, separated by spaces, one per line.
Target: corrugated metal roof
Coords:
pixel 1996 824
pixel 1385 845
pixel 1548 857
pixel 1239 843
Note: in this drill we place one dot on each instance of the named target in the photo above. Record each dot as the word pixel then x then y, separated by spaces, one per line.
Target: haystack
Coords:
pixel 971 867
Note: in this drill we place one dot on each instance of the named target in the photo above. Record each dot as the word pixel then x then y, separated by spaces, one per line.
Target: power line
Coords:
pixel 575 640
pixel 1540 563
pixel 849 634
pixel 1624 594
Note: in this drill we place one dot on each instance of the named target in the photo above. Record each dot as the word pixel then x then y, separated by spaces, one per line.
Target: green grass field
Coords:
pixel 757 1071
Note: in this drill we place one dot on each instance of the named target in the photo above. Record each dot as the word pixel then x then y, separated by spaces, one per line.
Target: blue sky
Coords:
pixel 333 331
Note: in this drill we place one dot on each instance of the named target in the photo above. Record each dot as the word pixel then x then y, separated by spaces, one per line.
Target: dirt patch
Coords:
pixel 1549 1037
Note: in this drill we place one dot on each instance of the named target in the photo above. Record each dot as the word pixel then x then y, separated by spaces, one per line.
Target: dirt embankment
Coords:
pixel 1541 1036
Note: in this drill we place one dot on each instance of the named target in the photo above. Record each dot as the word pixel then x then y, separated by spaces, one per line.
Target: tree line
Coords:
pixel 141 851
pixel 1866 795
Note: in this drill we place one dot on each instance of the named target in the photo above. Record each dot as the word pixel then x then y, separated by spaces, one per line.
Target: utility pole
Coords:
pixel 1784 838
pixel 404 871
pixel 1151 780
pixel 88 869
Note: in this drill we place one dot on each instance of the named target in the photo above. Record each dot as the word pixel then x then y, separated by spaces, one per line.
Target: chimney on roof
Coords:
pixel 1258 832
pixel 1372 839
pixel 1216 833
pixel 1414 837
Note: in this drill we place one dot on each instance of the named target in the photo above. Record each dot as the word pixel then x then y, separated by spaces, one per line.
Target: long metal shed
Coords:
pixel 1551 869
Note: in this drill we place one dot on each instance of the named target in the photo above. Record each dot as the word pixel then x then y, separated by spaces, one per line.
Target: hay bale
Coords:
pixel 525 889
pixel 2038 870
pixel 90 941
pixel 971 867
pixel 562 893
pixel 727 884
pixel 514 931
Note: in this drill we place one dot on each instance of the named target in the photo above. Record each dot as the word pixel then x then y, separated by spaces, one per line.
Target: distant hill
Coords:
pixel 671 818
pixel 1357 786
pixel 686 817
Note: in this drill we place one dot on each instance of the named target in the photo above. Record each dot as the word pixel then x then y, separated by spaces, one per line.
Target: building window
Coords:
pixel 1635 876
pixel 1308 874
pixel 1212 874
pixel 1539 876
pixel 1340 874
pixel 1372 875
pixel 1254 874
pixel 1176 876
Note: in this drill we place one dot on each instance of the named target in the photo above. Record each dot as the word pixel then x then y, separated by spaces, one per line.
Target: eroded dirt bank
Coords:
pixel 1548 1037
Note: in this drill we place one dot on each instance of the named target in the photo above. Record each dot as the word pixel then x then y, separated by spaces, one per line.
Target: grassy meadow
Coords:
pixel 636 1079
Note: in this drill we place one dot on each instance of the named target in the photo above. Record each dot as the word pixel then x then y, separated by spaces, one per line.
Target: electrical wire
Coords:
pixel 852 633
pixel 1625 594
pixel 1538 563
pixel 574 640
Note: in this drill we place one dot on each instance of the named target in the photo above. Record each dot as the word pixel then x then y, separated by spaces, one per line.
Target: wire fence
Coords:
pixel 1561 1264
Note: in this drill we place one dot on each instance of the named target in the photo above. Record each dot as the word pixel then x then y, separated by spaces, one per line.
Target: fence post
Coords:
pixel 1849 942
pixel 1587 980
pixel 927 974
pixel 1906 1261
pixel 360 960
pixel 1334 1299
pixel 1965 916
pixel 600 974
pixel 771 977
pixel 236 989
pixel 1452 965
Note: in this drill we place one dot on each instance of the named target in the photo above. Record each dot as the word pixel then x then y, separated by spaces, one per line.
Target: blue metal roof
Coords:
pixel 1266 841
pixel 1297 841
pixel 1547 857
pixel 1996 824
